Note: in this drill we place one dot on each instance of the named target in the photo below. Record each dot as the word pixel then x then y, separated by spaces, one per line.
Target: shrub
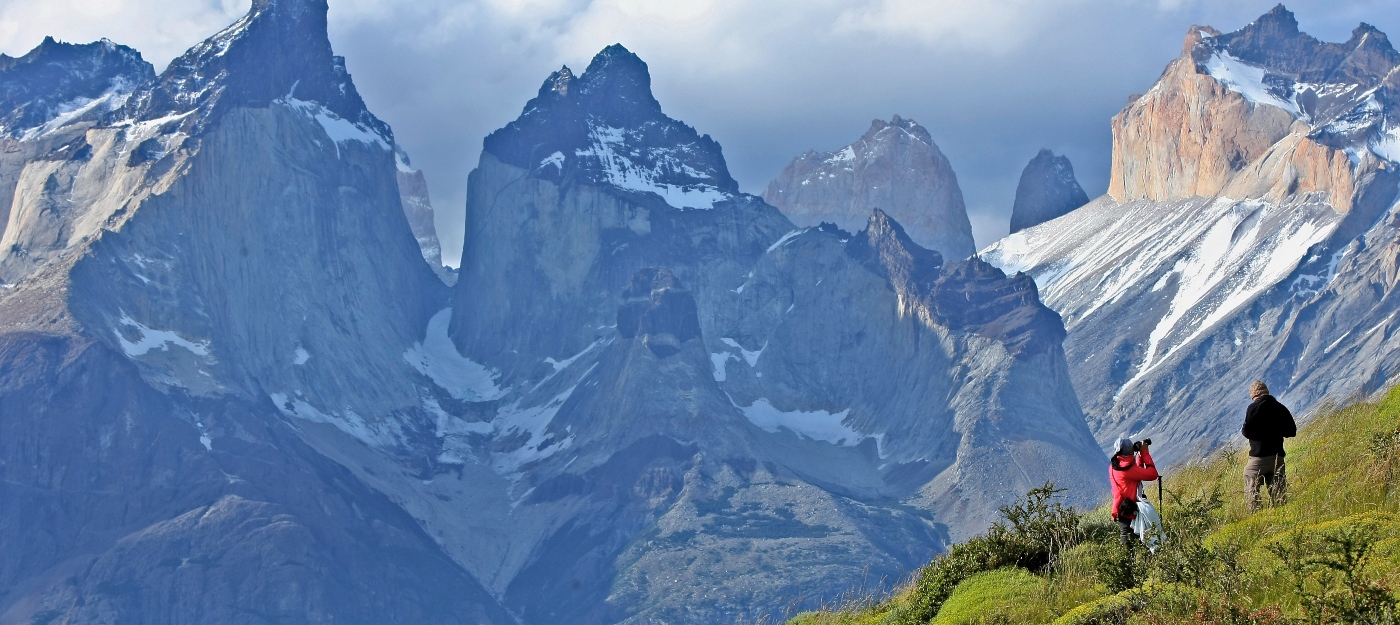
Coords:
pixel 1029 535
pixel 1330 577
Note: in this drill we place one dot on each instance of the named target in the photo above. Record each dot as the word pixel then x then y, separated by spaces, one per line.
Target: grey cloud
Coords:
pixel 766 79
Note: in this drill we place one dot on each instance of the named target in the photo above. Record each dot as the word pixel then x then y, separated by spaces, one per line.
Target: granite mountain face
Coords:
pixel 228 375
pixel 1048 189
pixel 673 370
pixel 895 167
pixel 1248 232
pixel 195 265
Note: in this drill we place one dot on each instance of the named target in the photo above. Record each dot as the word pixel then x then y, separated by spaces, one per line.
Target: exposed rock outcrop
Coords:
pixel 895 167
pixel 418 207
pixel 1244 236
pixel 1048 189
pixel 727 359
pixel 1230 106
pixel 206 289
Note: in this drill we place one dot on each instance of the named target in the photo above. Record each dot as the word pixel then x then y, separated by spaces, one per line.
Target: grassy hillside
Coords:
pixel 1330 554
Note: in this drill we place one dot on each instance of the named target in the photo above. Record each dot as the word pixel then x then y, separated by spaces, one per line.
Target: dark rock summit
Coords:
pixel 660 312
pixel 607 128
pixel 1047 190
pixel 278 51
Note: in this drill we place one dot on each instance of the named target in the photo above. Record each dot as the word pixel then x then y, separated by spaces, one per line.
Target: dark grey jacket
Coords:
pixel 1266 424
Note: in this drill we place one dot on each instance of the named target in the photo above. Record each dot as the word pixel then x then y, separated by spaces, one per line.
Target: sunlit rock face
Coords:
pixel 895 167
pixel 1244 236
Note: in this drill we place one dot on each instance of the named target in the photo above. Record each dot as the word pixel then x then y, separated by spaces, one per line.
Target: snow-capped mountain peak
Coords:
pixel 607 128
pixel 278 51
pixel 57 83
pixel 1335 88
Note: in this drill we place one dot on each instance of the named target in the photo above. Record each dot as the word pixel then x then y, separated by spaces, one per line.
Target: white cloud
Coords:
pixel 993 80
pixel 160 29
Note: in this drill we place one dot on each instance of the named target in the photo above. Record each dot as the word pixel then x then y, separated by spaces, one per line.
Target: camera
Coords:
pixel 1142 443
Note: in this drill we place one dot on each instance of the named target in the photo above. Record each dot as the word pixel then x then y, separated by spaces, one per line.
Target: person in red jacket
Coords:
pixel 1129 467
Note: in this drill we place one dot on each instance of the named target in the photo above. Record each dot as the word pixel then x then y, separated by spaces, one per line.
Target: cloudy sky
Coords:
pixel 992 80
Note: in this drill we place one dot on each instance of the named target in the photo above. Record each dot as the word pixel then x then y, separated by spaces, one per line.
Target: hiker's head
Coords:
pixel 1258 389
pixel 1125 446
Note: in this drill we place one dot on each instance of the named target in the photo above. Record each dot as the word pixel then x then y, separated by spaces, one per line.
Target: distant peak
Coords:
pixel 1279 17
pixel 908 125
pixel 1368 36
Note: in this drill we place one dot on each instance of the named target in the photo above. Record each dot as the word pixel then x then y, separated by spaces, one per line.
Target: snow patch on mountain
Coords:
pixel 721 362
pixel 437 357
pixel 784 239
pixel 817 425
pixel 338 129
pixel 1219 253
pixel 379 435
pixel 750 357
pixel 622 168
pixel 81 107
pixel 531 422
pixel 1247 80
pixel 147 339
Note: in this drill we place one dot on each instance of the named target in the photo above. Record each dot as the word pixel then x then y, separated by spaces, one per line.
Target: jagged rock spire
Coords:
pixel 606 127
pixel 280 49
pixel 1048 189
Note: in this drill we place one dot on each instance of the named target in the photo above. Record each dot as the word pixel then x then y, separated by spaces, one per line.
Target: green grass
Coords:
pixel 1330 554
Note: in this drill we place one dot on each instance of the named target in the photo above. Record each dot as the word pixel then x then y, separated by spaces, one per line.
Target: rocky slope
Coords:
pixel 1247 233
pixel 188 300
pixel 1047 190
pixel 895 167
pixel 231 389
pixel 646 332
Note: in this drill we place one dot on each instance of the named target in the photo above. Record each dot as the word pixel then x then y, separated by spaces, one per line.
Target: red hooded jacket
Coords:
pixel 1125 474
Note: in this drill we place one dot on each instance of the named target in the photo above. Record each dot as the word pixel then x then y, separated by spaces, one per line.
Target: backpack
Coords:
pixel 1127 509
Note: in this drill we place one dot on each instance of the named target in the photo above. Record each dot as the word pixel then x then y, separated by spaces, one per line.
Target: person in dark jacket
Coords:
pixel 1127 470
pixel 1266 424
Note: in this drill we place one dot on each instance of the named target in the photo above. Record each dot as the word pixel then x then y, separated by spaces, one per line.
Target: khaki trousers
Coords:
pixel 1267 470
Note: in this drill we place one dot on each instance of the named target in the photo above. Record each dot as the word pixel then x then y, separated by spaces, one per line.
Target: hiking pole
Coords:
pixel 1160 501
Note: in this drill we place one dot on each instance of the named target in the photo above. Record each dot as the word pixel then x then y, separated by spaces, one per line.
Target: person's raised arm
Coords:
pixel 1145 470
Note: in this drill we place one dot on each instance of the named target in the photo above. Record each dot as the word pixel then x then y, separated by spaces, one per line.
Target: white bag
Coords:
pixel 1148 524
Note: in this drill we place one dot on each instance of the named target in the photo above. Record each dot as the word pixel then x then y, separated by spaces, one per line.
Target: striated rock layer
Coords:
pixel 895 167
pixel 1246 234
